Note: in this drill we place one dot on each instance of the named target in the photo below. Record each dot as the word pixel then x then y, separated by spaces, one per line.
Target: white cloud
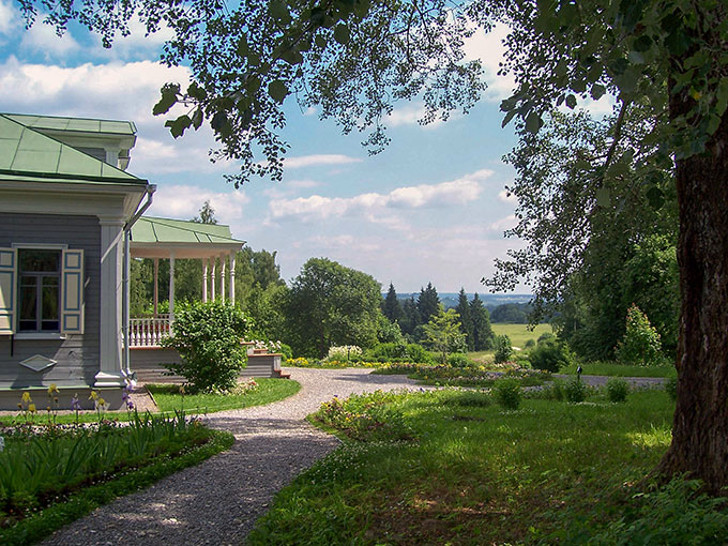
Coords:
pixel 319 159
pixel 114 90
pixel 456 192
pixel 504 223
pixel 507 197
pixel 489 48
pixel 42 38
pixel 9 19
pixel 184 202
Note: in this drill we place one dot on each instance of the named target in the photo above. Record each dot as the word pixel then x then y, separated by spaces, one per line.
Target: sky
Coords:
pixel 431 208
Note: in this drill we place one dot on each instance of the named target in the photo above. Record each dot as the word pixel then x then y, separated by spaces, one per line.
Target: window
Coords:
pixel 39 290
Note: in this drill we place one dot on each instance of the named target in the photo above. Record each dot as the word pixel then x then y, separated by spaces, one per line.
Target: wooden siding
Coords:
pixel 77 356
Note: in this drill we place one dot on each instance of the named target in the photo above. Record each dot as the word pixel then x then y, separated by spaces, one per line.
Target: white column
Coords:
pixel 156 286
pixel 232 277
pixel 212 278
pixel 110 338
pixel 171 286
pixel 204 279
pixel 222 278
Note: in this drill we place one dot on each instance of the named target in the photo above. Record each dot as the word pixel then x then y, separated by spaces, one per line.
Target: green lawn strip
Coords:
pixel 477 475
pixel 168 400
pixel 269 390
pixel 614 369
pixel 45 522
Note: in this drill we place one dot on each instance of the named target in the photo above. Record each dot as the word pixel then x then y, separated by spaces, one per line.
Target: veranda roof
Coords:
pixel 163 237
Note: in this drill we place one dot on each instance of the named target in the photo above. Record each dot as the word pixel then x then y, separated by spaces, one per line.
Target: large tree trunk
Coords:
pixel 700 429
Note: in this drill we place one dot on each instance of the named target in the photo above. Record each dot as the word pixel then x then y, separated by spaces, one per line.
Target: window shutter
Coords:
pixel 72 292
pixel 8 289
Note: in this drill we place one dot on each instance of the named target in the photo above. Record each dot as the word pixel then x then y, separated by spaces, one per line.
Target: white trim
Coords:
pixel 39 246
pixel 40 335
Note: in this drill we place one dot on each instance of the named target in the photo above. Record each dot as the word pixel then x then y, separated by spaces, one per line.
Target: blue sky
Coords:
pixel 430 208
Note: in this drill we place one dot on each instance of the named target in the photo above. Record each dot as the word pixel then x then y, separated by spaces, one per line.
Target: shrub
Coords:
pixel 459 360
pixel 508 393
pixel 344 353
pixel 575 391
pixel 617 390
pixel 530 344
pixel 550 357
pixel 208 337
pixel 641 342
pixel 546 337
pixel 672 515
pixel 417 353
pixel 503 349
pixel 671 388
pixel 555 391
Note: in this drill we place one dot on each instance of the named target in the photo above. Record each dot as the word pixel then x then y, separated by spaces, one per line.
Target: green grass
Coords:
pixel 614 369
pixel 519 333
pixel 473 473
pixel 269 390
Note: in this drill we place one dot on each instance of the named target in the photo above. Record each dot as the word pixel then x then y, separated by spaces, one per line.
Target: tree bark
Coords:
pixel 700 429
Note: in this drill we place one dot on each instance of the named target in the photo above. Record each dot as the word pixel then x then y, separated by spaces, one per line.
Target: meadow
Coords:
pixel 453 467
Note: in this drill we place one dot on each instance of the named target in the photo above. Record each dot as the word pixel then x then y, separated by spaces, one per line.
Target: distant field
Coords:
pixel 519 333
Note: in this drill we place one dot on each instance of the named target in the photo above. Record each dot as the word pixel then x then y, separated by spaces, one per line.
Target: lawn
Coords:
pixel 452 467
pixel 519 333
pixel 269 390
pixel 615 369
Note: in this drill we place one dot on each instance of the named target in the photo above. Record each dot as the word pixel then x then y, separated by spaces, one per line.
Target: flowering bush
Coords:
pixel 344 352
pixel 366 417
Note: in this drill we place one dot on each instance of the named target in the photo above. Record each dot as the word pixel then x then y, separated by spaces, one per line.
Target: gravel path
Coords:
pixel 218 501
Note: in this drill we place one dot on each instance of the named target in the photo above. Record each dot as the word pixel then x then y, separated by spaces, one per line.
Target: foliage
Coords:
pixel 671 388
pixel 345 352
pixel 511 313
pixel 443 333
pixel 615 369
pixel 208 337
pixel 537 464
pixel 674 514
pixel 483 337
pixel 617 390
pixel 459 360
pixel 37 467
pixel 507 393
pixel 391 307
pixel 365 417
pixel 388 332
pixel 575 390
pixel 329 304
pixel 549 356
pixel 641 342
pixel 428 303
pixel 82 500
pixel 503 349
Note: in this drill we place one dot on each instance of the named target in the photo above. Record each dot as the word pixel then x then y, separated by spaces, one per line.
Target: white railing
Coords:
pixel 148 332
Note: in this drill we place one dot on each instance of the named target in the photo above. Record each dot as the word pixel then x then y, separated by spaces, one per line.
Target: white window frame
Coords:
pixel 72 300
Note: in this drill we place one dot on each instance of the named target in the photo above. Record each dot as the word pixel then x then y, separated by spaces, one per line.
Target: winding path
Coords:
pixel 218 501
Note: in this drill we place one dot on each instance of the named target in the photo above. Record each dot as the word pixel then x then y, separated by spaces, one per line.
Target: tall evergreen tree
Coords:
pixel 466 320
pixel 428 303
pixel 483 336
pixel 411 318
pixel 391 308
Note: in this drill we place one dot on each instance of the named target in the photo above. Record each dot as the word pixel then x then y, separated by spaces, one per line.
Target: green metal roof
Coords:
pixel 164 230
pixel 80 125
pixel 26 152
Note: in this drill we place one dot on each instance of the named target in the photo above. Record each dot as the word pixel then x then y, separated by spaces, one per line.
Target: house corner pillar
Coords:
pixel 232 277
pixel 110 372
